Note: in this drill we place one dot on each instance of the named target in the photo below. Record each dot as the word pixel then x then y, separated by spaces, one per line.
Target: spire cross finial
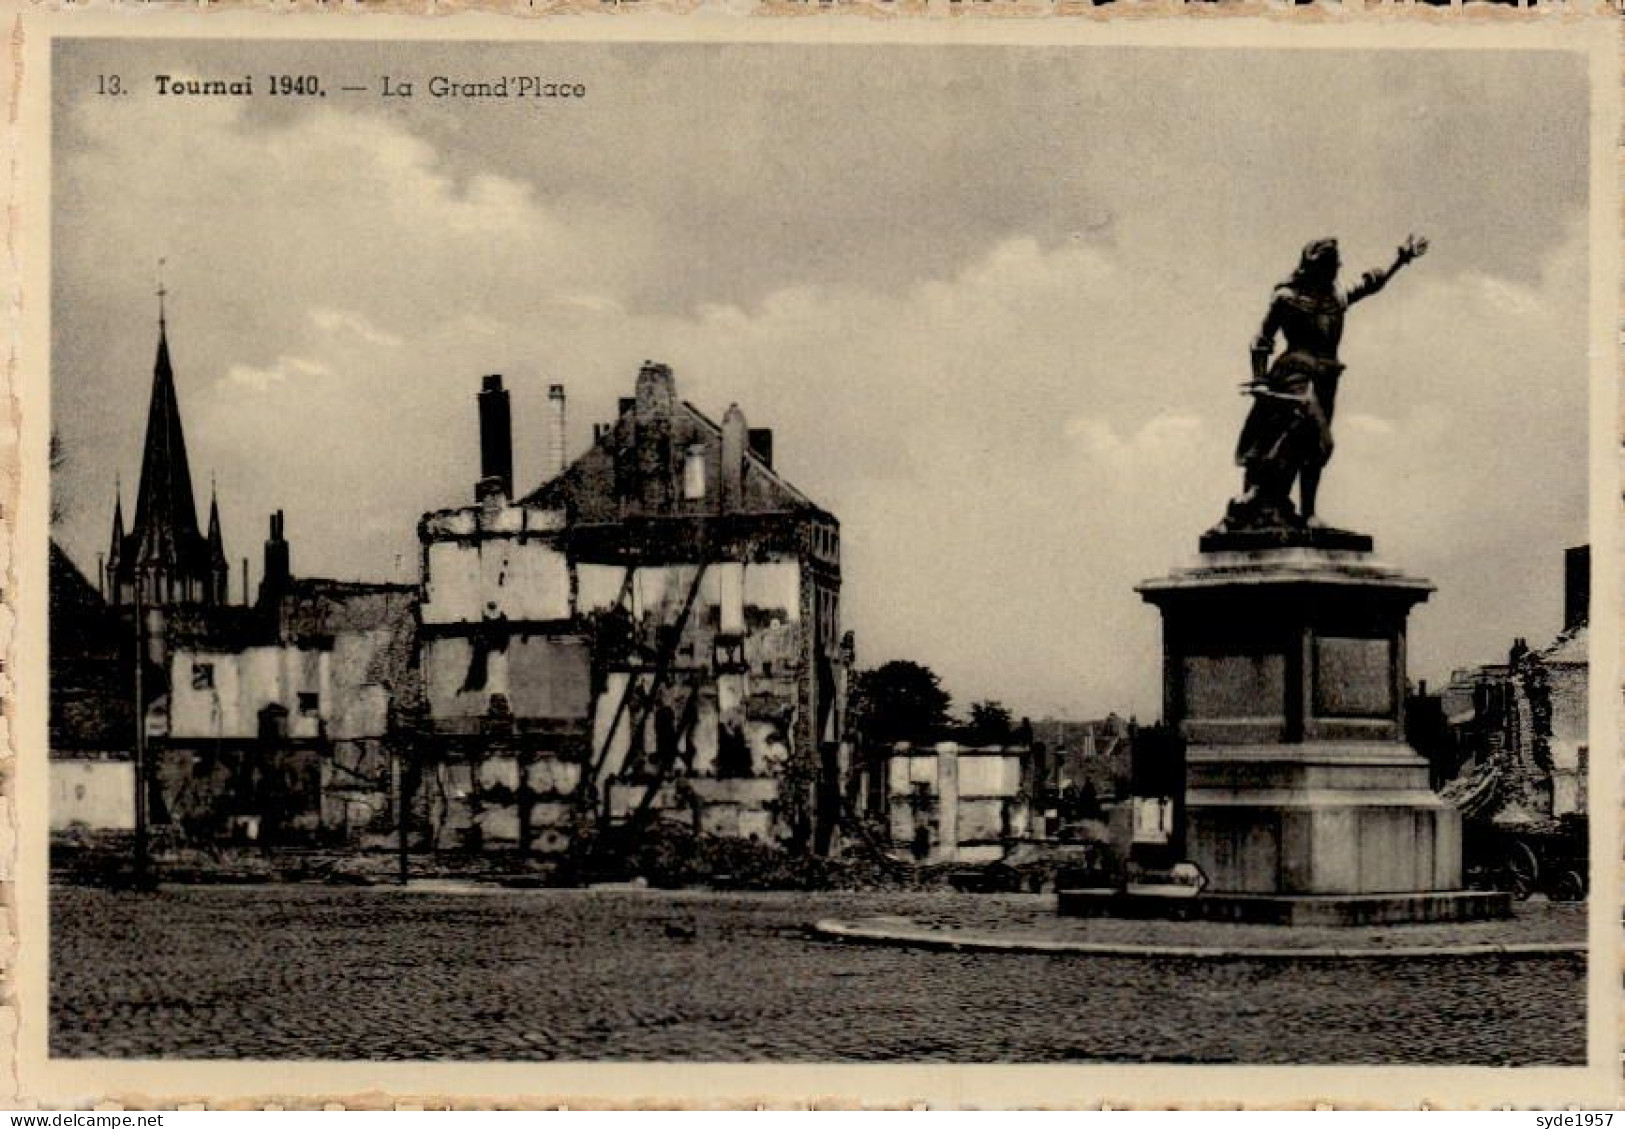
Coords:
pixel 162 291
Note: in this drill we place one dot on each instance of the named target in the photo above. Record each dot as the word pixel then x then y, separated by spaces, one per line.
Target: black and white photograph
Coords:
pixel 788 550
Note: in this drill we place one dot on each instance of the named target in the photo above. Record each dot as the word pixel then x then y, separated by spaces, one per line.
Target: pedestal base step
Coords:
pixel 1288 909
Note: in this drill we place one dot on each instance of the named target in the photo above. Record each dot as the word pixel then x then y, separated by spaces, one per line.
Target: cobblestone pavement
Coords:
pixel 286 972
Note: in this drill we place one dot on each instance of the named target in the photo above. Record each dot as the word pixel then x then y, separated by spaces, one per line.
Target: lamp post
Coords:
pixel 142 859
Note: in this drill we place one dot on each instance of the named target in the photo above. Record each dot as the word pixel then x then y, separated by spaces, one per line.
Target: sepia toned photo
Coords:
pixel 774 552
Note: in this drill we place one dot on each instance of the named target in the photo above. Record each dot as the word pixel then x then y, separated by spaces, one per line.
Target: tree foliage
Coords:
pixel 899 701
pixel 990 724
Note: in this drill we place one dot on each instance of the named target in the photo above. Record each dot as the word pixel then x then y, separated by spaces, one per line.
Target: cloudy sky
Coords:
pixel 995 303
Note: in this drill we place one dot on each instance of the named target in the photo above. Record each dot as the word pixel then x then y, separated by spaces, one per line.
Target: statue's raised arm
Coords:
pixel 1414 247
pixel 1288 436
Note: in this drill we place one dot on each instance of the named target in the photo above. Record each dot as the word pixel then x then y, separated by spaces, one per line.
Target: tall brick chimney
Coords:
pixel 278 564
pixel 555 432
pixel 656 389
pixel 731 476
pixel 658 465
pixel 496 440
pixel 1576 586
pixel 761 444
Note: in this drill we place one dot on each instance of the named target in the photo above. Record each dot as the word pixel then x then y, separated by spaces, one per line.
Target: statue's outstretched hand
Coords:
pixel 1414 247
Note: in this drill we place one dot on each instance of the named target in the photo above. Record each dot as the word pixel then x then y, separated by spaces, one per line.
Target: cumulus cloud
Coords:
pixel 348 321
pixel 260 379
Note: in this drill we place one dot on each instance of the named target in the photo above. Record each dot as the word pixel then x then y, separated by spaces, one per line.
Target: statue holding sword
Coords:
pixel 1288 436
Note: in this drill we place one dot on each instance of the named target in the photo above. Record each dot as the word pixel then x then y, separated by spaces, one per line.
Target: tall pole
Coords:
pixel 398 780
pixel 142 862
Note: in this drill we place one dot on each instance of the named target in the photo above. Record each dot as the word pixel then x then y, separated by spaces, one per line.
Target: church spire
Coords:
pixel 165 508
pixel 107 582
pixel 218 568
pixel 165 552
pixel 217 544
pixel 118 522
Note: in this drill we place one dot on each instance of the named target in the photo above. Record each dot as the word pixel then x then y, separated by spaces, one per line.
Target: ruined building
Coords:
pixel 162 565
pixel 265 720
pixel 653 631
pixel 278 720
pixel 957 803
pixel 1519 732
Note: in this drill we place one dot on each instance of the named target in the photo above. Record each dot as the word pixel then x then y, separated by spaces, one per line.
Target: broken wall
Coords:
pixel 355 792
pixel 1569 687
pixel 539 676
pixel 951 804
pixel 358 704
pixel 726 706
pixel 253 792
pixel 221 694
pixel 496 575
pixel 94 795
pixel 499 800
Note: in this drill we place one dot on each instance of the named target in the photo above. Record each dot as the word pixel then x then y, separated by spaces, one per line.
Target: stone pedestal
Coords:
pixel 1284 670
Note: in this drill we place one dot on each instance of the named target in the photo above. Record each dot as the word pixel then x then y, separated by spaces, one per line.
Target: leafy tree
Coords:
pixel 990 724
pixel 900 701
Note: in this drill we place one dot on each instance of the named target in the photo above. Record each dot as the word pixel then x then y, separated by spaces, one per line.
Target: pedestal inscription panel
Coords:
pixel 1354 677
pixel 1220 686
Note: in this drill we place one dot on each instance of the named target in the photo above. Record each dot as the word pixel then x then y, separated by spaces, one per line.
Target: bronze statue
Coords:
pixel 1288 435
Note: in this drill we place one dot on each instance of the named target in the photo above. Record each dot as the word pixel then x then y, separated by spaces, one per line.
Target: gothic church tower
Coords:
pixel 164 557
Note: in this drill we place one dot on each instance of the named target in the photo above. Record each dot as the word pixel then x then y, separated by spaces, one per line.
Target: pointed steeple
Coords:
pixel 217 544
pixel 107 578
pixel 165 552
pixel 117 543
pixel 165 509
pixel 219 570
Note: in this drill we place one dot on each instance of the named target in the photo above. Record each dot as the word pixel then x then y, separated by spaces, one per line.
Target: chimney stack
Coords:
pixel 656 397
pixel 1576 586
pixel 555 431
pixel 761 444
pixel 731 476
pixel 496 438
pixel 278 566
